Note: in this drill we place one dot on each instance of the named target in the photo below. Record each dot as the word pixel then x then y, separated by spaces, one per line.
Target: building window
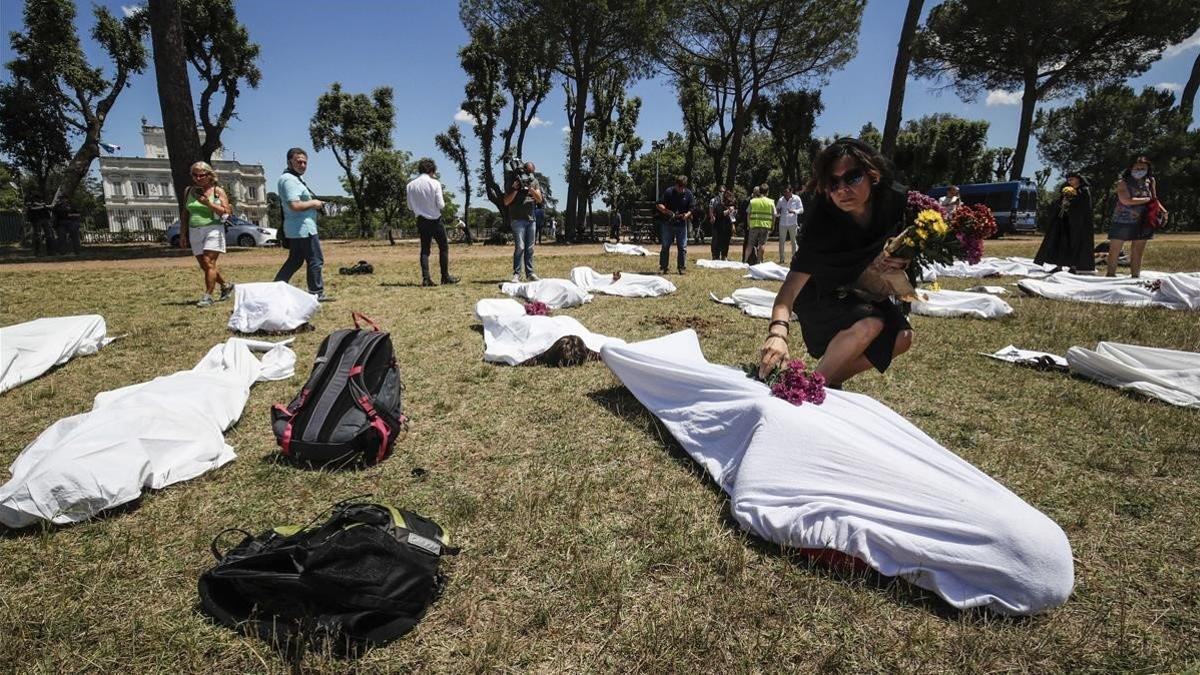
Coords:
pixel 252 193
pixel 140 189
pixel 147 222
pixel 164 189
pixel 117 188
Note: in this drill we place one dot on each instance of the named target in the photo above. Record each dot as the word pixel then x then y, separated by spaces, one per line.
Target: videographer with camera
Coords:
pixel 675 210
pixel 524 194
pixel 300 209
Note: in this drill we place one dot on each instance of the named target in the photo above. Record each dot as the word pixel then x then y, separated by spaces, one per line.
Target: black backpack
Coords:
pixel 349 411
pixel 362 578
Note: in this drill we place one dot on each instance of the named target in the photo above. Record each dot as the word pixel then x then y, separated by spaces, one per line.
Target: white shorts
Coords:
pixel 207 238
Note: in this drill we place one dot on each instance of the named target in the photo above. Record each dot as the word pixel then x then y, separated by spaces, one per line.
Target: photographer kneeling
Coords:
pixel 524 193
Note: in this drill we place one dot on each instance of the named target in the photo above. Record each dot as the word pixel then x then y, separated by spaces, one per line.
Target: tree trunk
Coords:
pixel 78 167
pixel 1028 102
pixel 1188 99
pixel 174 93
pixel 576 154
pixel 891 124
pixel 741 122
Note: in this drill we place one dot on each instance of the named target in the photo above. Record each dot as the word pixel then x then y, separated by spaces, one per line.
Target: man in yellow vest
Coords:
pixel 761 215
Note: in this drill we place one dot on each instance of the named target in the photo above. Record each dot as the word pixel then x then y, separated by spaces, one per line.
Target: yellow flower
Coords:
pixel 1068 191
pixel 935 286
pixel 932 221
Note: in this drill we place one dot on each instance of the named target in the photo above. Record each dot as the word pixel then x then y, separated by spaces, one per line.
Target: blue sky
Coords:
pixel 412 45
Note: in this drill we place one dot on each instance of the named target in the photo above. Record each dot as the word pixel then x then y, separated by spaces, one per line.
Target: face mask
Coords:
pixel 1140 173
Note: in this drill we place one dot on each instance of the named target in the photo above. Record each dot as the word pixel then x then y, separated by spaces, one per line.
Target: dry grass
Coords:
pixel 590 541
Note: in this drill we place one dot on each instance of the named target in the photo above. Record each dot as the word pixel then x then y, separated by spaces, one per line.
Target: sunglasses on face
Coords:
pixel 199 175
pixel 850 179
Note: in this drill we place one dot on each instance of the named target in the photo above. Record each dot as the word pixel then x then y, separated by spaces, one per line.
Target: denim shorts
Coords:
pixel 1130 231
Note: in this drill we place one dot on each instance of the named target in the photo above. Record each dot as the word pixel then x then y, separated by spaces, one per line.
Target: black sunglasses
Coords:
pixel 849 179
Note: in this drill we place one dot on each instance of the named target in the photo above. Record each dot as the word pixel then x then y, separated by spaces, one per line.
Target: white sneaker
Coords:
pixel 516 278
pixel 205 301
pixel 533 277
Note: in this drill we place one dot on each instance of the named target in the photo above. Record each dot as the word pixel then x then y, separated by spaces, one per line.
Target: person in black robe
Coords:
pixel 1069 241
pixel 856 207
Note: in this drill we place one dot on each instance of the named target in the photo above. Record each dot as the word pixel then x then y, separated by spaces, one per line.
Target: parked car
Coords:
pixel 238 231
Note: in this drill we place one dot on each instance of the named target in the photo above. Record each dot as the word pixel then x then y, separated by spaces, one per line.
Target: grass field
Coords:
pixel 591 542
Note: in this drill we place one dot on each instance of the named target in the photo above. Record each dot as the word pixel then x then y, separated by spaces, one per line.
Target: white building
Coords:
pixel 139 195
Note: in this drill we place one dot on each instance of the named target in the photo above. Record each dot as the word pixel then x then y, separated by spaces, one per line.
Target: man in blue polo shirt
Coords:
pixel 300 209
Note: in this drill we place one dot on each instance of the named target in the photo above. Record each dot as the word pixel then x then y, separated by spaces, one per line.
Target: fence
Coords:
pixel 12 226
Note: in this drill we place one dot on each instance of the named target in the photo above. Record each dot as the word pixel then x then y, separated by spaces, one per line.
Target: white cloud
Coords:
pixel 464 116
pixel 1001 97
pixel 132 10
pixel 1190 43
pixel 1169 86
pixel 539 122
pixel 566 130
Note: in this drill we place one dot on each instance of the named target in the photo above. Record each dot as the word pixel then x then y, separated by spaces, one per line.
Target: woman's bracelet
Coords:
pixel 778 322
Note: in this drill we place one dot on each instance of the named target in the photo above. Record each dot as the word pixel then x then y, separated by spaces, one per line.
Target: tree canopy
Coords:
pixel 352 125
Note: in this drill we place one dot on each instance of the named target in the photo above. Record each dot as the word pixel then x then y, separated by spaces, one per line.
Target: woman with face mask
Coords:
pixel 1135 189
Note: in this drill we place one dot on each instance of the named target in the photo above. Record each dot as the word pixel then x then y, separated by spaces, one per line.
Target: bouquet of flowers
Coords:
pixel 792 382
pixel 924 241
pixel 537 308
pixel 971 224
pixel 1068 195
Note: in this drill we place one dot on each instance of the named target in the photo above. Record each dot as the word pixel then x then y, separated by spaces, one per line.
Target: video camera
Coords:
pixel 515 166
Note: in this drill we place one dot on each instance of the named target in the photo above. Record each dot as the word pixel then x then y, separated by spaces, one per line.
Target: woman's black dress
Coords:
pixel 1069 241
pixel 835 250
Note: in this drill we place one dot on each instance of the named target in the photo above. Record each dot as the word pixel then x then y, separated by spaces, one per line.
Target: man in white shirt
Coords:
pixel 788 210
pixel 426 201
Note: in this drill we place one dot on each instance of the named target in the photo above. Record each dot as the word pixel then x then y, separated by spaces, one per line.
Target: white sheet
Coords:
pixel 144 436
pixel 28 350
pixel 959 304
pixel 755 302
pixel 630 285
pixel 853 476
pixel 768 271
pixel 990 290
pixel 512 337
pixel 1028 357
pixel 1166 374
pixel 556 293
pixel 988 267
pixel 272 306
pixel 625 249
pixel 722 264
pixel 1180 290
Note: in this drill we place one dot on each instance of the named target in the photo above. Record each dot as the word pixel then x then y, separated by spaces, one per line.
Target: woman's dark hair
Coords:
pixel 426 165
pixel 292 152
pixel 1140 159
pixel 864 155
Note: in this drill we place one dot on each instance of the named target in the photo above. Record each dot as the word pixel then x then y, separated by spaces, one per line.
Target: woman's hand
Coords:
pixel 894 263
pixel 774 352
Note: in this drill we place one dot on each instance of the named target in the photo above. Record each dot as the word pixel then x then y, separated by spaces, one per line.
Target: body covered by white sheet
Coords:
pixel 270 306
pixel 625 249
pixel 555 293
pixel 853 476
pixel 28 350
pixel 722 264
pixel 957 303
pixel 753 301
pixel 510 336
pixel 144 436
pixel 1180 290
pixel 986 267
pixel 1166 374
pixel 768 271
pixel 630 285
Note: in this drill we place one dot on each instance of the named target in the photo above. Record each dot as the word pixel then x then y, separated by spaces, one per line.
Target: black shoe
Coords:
pixel 683 270
pixel 427 282
pixel 449 280
pixel 663 271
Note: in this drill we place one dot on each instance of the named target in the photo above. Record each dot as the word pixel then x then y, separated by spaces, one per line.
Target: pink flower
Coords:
pixel 797 386
pixel 536 308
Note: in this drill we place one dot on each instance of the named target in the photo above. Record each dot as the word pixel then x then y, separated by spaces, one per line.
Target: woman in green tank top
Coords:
pixel 201 227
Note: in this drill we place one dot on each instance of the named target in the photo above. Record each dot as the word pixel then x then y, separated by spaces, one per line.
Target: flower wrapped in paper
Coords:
pixel 923 241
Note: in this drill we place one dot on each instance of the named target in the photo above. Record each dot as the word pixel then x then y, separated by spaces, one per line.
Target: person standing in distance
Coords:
pixel 426 200
pixel 521 200
pixel 788 209
pixel 761 217
pixel 300 209
pixel 675 213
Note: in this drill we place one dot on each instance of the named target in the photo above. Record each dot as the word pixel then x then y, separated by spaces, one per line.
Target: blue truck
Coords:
pixel 1013 203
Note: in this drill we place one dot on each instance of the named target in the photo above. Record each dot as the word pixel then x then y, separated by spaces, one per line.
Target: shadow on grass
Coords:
pixel 12 255
pixel 625 407
pixel 45 528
